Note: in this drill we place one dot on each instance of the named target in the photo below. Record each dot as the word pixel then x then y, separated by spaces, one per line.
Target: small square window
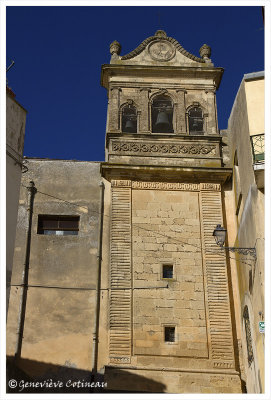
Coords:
pixel 169 333
pixel 59 225
pixel 167 271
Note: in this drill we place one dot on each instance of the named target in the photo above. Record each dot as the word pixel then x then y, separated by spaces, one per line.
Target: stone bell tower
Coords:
pixel 169 322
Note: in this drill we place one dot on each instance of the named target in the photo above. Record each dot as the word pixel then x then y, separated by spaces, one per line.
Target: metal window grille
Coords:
pixel 58 225
pixel 257 145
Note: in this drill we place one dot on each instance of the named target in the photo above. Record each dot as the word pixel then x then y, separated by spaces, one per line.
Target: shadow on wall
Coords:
pixel 29 376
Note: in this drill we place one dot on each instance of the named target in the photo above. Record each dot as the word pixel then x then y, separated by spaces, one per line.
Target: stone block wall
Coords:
pixel 166 231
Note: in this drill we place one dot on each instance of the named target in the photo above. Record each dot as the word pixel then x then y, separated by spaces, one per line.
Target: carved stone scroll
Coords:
pixel 120 274
pixel 216 285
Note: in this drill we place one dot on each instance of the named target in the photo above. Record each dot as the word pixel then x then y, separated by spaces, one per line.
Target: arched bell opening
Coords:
pixel 196 121
pixel 162 115
pixel 129 119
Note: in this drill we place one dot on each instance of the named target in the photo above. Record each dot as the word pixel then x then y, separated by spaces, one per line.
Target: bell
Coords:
pixel 162 123
pixel 129 126
pixel 195 125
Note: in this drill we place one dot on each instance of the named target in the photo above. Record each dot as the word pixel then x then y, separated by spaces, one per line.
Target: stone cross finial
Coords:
pixel 160 33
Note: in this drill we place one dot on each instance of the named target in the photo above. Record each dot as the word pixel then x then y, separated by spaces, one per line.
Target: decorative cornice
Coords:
pixel 163 148
pixel 213 187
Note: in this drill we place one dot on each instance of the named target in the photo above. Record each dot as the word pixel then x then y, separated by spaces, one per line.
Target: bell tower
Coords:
pixel 160 95
pixel 167 318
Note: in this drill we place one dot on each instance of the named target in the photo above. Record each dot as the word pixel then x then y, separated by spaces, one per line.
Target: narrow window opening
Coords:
pixel 59 225
pixel 195 118
pixel 169 333
pixel 167 271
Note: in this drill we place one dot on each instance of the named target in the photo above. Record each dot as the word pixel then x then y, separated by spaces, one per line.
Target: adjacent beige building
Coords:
pixel 116 274
pixel 246 137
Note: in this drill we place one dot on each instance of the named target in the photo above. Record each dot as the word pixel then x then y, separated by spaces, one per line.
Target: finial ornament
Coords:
pixel 205 52
pixel 160 33
pixel 115 48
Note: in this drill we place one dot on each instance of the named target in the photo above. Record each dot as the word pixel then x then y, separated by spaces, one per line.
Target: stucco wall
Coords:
pixel 255 105
pixel 60 309
pixel 246 119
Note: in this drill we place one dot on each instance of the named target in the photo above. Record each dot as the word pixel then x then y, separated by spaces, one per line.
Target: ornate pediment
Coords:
pixel 160 49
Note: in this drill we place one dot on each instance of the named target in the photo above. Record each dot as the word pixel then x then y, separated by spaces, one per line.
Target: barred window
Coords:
pixel 58 225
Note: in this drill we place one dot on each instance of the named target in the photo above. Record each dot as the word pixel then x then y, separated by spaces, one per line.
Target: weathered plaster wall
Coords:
pixel 60 309
pixel 15 130
pixel 247 118
pixel 255 105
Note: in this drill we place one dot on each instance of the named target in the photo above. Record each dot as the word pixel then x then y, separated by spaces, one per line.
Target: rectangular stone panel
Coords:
pixel 166 230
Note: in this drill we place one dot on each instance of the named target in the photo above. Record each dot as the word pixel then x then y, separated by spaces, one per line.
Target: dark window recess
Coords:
pixel 129 120
pixel 169 334
pixel 58 225
pixel 168 271
pixel 195 118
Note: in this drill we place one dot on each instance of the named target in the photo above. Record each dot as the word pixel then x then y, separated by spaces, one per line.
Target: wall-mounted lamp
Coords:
pixel 220 235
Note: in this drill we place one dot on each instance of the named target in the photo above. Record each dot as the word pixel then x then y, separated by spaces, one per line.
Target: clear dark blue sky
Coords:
pixel 58 53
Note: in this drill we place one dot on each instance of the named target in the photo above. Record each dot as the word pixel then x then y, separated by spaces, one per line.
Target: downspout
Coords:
pixel 97 303
pixel 24 286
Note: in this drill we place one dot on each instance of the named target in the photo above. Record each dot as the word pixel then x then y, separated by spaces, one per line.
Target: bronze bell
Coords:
pixel 129 126
pixel 162 122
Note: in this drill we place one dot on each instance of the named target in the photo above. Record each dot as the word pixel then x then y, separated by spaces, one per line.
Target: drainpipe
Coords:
pixel 24 286
pixel 97 303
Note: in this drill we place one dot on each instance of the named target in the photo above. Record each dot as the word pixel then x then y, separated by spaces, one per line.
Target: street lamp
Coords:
pixel 220 235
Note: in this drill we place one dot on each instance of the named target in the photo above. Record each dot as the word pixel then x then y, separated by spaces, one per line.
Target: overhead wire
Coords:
pixel 210 251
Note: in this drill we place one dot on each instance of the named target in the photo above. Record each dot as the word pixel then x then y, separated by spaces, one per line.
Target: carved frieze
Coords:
pixel 120 360
pixel 121 183
pixel 164 148
pixel 210 186
pixel 166 186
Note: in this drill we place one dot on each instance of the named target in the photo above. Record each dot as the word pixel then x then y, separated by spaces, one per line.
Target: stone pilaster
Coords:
pixel 212 115
pixel 180 112
pixel 216 284
pixel 144 116
pixel 120 311
pixel 113 117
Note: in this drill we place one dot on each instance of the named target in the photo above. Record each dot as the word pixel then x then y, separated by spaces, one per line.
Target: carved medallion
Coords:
pixel 161 50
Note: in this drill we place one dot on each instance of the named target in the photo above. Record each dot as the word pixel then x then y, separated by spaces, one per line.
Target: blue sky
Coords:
pixel 58 53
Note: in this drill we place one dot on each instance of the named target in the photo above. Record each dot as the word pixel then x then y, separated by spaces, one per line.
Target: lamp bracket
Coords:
pixel 243 250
